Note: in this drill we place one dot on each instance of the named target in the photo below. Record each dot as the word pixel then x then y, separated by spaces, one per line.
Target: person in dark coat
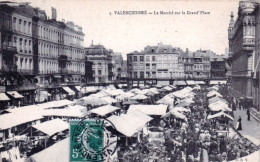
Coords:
pixel 248 114
pixel 239 123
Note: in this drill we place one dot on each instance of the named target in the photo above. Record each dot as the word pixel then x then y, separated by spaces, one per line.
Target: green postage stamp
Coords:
pixel 91 140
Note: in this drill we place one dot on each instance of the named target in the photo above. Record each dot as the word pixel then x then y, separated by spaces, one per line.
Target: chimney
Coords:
pixel 187 50
pixel 53 13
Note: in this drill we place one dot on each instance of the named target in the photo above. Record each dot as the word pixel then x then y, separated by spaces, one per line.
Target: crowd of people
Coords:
pixel 196 139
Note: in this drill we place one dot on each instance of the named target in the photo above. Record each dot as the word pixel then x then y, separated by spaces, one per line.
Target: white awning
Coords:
pixel 149 109
pixel 163 82
pixel 15 94
pixel 52 127
pixel 69 91
pixel 78 88
pixel 215 82
pixel 72 111
pixel 3 97
pixel 135 85
pixel 130 123
pixel 52 104
pixel 104 110
pixel 190 82
pixel 199 82
pixel 11 120
pixel 56 152
pixel 180 82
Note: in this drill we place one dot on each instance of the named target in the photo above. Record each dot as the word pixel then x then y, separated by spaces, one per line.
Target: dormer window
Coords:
pixel 152 50
pixel 164 51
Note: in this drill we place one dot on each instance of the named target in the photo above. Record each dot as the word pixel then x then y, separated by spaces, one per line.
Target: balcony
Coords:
pixel 63 71
pixel 26 71
pixel 74 72
pixel 9 49
pixel 248 43
pixel 63 57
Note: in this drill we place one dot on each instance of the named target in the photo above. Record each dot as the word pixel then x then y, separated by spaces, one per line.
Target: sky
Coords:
pixel 128 33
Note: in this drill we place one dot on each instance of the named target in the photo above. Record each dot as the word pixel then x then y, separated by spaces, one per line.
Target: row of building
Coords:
pixel 38 53
pixel 244 50
pixel 164 63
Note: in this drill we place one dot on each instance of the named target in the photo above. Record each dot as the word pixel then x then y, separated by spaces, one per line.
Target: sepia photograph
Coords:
pixel 129 81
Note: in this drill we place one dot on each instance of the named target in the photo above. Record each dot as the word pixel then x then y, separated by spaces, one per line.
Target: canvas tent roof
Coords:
pixel 53 104
pixel 14 94
pixel 149 109
pixel 55 152
pixel 68 90
pixel 219 115
pixel 3 97
pixel 165 100
pixel 129 124
pixel 10 120
pixel 71 111
pixel 104 110
pixel 52 126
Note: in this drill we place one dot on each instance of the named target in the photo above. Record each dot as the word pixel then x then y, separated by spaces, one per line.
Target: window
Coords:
pixel 147 58
pixel 147 66
pixel 165 66
pixel 135 58
pixel 170 66
pixel 141 74
pixel 153 58
pixel 159 66
pixel 141 58
pixel 130 58
pixel 135 67
pixel 135 74
pixel 153 66
pixel 165 58
pixel 141 66
pixel 159 58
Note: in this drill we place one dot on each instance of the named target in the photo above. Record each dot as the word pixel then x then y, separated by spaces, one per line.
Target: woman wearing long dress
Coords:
pixel 239 123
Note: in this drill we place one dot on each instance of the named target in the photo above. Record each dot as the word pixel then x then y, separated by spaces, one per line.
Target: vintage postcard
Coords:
pixel 129 81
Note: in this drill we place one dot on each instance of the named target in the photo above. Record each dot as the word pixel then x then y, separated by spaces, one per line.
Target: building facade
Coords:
pixel 107 64
pixel 218 68
pixel 256 72
pixel 241 35
pixel 43 54
pixel 155 64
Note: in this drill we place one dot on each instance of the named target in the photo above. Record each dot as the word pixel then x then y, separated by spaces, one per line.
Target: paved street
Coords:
pixel 250 128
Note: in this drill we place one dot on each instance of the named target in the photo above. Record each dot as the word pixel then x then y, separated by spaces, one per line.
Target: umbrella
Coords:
pixel 139 97
pixel 91 100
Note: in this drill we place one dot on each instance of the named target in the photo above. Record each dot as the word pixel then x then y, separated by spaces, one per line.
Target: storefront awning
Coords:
pixel 215 82
pixel 199 82
pixel 56 76
pixel 3 97
pixel 14 94
pixel 78 88
pixel 180 83
pixel 135 85
pixel 163 82
pixel 190 82
pixel 69 91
